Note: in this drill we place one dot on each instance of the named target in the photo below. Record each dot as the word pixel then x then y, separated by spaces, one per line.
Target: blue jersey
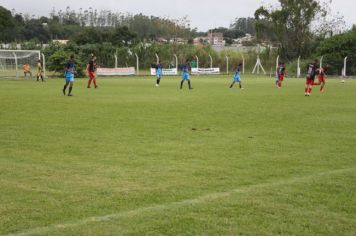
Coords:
pixel 70 66
pixel 159 70
pixel 237 74
pixel 69 73
pixel 185 68
pixel 185 72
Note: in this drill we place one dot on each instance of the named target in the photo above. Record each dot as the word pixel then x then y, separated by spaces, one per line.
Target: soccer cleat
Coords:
pixel 88 87
pixel 70 95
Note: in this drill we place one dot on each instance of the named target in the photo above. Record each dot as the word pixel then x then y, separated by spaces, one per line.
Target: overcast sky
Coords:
pixel 202 14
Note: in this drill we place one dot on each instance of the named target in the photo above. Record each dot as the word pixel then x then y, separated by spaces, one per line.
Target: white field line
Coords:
pixel 198 200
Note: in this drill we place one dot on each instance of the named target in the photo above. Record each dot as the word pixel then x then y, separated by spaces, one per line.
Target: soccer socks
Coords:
pixel 280 83
pixel 190 87
pixel 94 81
pixel 310 89
pixel 322 87
pixel 70 91
pixel 181 84
pixel 158 80
pixel 89 83
pixel 232 84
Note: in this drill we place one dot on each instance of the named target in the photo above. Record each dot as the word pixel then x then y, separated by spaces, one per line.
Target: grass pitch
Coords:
pixel 130 158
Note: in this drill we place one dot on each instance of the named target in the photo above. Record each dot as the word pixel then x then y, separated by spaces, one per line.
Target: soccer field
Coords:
pixel 132 159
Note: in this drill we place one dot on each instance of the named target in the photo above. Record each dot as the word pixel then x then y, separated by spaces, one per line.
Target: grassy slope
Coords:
pixel 272 161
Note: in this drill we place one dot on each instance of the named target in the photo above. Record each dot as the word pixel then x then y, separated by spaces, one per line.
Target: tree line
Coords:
pixel 296 28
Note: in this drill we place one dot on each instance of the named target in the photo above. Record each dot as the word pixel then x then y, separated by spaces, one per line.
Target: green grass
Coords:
pixel 130 158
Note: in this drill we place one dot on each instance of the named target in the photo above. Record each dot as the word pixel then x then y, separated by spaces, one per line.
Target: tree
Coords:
pixel 291 25
pixel 56 62
pixel 7 26
pixel 336 48
pixel 244 25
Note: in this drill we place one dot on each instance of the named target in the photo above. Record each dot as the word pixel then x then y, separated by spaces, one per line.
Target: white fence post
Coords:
pixel 298 68
pixel 277 64
pixel 227 64
pixel 175 56
pixel 197 61
pixel 44 65
pixel 211 61
pixel 243 64
pixel 137 65
pixel 17 70
pixel 157 58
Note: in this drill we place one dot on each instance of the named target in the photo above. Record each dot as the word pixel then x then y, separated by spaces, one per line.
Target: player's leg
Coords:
pixel 306 87
pixel 184 77
pixel 38 76
pixel 233 83
pixel 65 87
pixel 89 82
pixel 42 76
pixel 94 81
pixel 322 85
pixel 158 80
pixel 280 79
pixel 90 75
pixel 310 86
pixel 190 87
pixel 70 88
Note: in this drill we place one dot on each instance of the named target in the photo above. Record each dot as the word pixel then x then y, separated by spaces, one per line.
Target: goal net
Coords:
pixel 20 63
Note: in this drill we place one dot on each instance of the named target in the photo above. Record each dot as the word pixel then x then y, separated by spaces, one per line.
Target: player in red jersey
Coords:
pixel 91 69
pixel 321 72
pixel 281 74
pixel 311 72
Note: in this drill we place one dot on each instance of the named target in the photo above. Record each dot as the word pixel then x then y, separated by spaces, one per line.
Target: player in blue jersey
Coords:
pixel 185 75
pixel 69 75
pixel 158 73
pixel 237 77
